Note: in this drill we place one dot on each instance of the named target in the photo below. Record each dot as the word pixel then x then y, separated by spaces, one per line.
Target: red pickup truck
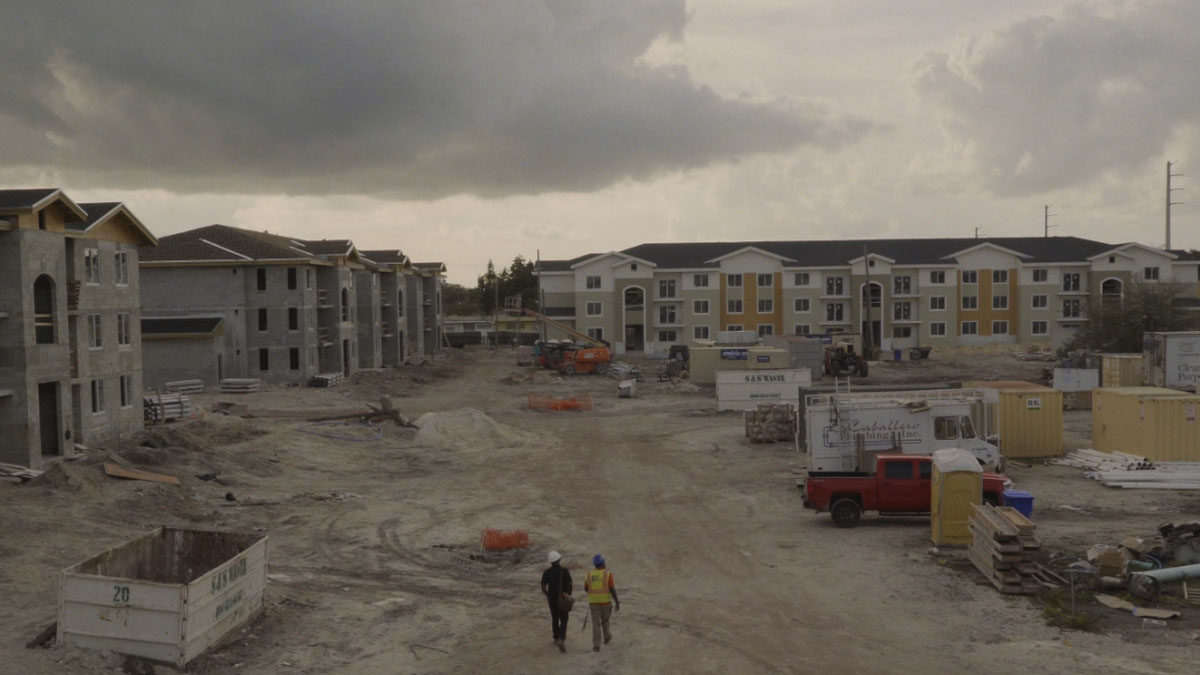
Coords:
pixel 900 486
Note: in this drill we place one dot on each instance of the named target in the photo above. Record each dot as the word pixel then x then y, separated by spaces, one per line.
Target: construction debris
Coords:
pixel 184 386
pixel 241 385
pixel 1002 548
pixel 118 471
pixel 1122 470
pixel 327 379
pixel 161 407
pixel 771 423
pixel 14 473
pixel 1126 606
pixel 543 402
pixel 627 388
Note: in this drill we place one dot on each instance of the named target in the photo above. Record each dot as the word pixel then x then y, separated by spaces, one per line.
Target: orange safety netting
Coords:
pixel 496 540
pixel 538 402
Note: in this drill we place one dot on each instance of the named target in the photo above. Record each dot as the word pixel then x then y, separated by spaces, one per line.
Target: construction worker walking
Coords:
pixel 602 600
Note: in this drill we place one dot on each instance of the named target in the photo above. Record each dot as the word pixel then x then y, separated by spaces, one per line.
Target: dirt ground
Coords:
pixel 376 565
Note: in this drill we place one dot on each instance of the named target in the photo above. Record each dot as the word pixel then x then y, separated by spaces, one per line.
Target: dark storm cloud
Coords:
pixel 413 99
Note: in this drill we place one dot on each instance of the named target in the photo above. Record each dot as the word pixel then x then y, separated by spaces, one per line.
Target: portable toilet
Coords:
pixel 957 483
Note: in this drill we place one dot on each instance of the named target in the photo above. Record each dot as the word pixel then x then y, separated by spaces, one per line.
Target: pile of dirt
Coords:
pixel 684 387
pixel 465 428
pixel 217 431
pixel 71 477
pixel 530 376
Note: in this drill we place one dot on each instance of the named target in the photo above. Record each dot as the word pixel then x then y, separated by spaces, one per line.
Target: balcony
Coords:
pixel 834 322
pixel 323 300
pixel 73 296
pixel 907 320
pixel 1067 317
pixel 323 337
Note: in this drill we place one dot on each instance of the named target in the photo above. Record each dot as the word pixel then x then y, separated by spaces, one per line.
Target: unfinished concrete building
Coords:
pixel 428 293
pixel 70 345
pixel 394 270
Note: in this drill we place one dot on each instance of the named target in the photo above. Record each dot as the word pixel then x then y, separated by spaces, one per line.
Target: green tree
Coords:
pixel 516 279
pixel 460 300
pixel 1116 325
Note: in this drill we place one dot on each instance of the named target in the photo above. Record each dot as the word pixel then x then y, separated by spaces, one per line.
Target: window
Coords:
pixel 262 319
pixel 1040 328
pixel 902 311
pixel 632 267
pixel 733 307
pixel 1041 301
pixel 1070 282
pixel 126 391
pixel 700 332
pixel 345 305
pixel 901 331
pixel 765 280
pixel 400 303
pixel 95 336
pixel 938 328
pixel 593 282
pixel 700 281
pixel 595 308
pixel 999 328
pixel 937 277
pixel 699 307
pixel 308 278
pixel 802 329
pixel 970 277
pixel 293 318
pixel 666 288
pixel 98 403
pixel 937 303
pixel 42 219
pixel 834 311
pixel 1072 309
pixel 945 428
pixel 766 306
pixel 291 274
pixel 901 285
pixel 898 469
pixel 122 264
pixel 999 302
pixel 43 310
pixel 801 305
pixel 834 286
pixel 1041 276
pixel 1150 274
pixel 734 280
pixel 91 266
pixel 264 360
pixel 765 329
pixel 800 279
pixel 666 314
pixel 124 335
pixel 970 302
pixel 733 327
pixel 294 358
pixel 666 336
pixel 970 328
pixel 926 470
pixel 595 333
pixel 262 278
pixel 999 276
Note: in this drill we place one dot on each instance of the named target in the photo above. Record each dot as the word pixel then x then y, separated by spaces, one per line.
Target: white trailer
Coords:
pixel 843 432
pixel 1172 360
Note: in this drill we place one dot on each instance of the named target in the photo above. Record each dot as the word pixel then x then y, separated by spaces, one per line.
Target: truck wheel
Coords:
pixel 845 512
pixel 862 368
pixel 601 368
pixel 568 369
pixel 837 370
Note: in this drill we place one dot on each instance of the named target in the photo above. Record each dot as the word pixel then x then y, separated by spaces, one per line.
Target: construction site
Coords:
pixel 375 498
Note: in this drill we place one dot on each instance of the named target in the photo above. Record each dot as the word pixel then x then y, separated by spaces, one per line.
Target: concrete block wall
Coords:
pixel 201 291
pixel 277 301
pixel 341 355
pixel 168 360
pixel 368 318
pixel 415 311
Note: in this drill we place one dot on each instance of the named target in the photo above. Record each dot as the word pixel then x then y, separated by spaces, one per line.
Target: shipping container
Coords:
pixel 1121 370
pixel 166 596
pixel 803 352
pixel 1152 422
pixel 1027 417
pixel 745 389
pixel 956 485
pixel 1172 360
pixel 704 362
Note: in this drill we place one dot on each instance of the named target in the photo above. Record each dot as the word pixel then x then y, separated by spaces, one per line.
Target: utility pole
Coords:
pixel 976 231
pixel 865 296
pixel 1169 202
pixel 1046 221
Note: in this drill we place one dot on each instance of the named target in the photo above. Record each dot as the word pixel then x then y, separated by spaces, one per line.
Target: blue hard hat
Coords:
pixel 597 560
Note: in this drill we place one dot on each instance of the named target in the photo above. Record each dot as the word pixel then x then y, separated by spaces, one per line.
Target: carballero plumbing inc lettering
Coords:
pixel 876 434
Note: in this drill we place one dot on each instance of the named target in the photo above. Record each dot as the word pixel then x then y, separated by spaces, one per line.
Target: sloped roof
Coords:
pixel 328 246
pixel 562 265
pixel 97 213
pixel 32 198
pixel 222 242
pixel 380 256
pixel 430 266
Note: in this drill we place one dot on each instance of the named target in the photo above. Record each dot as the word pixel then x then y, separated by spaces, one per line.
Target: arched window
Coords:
pixel 345 305
pixel 43 310
pixel 1112 289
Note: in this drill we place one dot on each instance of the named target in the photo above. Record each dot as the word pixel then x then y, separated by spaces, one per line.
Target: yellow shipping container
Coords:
pixel 704 362
pixel 957 483
pixel 1028 417
pixel 1121 370
pixel 1153 422
pixel 768 358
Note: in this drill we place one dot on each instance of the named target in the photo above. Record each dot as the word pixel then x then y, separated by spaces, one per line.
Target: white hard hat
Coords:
pixel 554 556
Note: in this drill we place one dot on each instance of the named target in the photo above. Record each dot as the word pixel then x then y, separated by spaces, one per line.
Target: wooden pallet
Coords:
pixel 1002 549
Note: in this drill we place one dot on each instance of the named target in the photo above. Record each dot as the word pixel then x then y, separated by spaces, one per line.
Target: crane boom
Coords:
pixel 583 337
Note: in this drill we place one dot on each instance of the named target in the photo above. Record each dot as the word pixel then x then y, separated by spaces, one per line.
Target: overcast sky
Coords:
pixel 459 131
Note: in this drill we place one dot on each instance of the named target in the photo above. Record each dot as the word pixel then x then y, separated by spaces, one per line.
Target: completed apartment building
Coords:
pixel 243 303
pixel 903 292
pixel 70 342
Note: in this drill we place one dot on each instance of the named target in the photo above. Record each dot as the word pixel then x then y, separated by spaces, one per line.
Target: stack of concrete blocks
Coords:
pixel 771 423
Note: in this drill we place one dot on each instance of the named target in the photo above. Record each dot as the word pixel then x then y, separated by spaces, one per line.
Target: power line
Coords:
pixel 1169 202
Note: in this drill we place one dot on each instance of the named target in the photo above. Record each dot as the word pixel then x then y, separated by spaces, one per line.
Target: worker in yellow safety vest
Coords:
pixel 602 597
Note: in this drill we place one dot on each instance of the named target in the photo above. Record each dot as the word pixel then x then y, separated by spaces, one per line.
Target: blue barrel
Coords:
pixel 897 354
pixel 1020 500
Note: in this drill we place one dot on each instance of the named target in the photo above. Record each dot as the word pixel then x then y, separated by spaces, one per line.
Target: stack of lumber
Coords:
pixel 240 385
pixel 185 386
pixel 1002 548
pixel 771 423
pixel 14 473
pixel 1122 470
pixel 166 407
pixel 327 380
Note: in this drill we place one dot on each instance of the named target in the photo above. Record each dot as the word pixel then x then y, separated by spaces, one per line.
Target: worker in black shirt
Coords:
pixel 556 581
